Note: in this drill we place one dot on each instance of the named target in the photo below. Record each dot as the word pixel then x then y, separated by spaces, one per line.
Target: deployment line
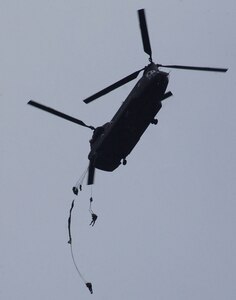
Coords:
pixel 88 284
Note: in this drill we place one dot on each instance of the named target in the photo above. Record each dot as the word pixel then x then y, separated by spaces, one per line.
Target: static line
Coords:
pixel 73 258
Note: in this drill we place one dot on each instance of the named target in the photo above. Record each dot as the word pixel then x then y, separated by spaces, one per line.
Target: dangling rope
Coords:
pixel 88 284
pixel 77 269
pixel 79 183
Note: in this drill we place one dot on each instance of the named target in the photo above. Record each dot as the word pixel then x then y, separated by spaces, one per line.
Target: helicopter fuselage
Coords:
pixel 113 142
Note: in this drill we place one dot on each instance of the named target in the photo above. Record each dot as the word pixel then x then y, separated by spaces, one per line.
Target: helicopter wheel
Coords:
pixel 124 161
pixel 154 121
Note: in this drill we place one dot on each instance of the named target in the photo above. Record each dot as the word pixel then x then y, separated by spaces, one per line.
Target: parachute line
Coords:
pixel 75 264
pixel 79 183
pixel 88 284
pixel 81 179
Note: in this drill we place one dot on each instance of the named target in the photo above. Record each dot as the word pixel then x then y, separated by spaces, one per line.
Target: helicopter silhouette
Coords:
pixel 112 142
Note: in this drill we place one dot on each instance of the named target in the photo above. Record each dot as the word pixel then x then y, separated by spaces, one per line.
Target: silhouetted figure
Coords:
pixel 93 215
pixel 75 190
pixel 89 286
pixel 94 218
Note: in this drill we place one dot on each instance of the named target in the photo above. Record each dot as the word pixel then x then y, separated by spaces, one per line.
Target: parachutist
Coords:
pixel 75 190
pixel 93 215
pixel 94 218
pixel 89 286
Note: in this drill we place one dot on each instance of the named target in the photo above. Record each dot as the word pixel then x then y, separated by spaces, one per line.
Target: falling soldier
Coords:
pixel 94 216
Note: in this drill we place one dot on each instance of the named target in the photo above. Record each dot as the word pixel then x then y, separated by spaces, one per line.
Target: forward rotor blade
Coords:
pixel 91 173
pixel 144 32
pixel 58 113
pixel 194 68
pixel 113 86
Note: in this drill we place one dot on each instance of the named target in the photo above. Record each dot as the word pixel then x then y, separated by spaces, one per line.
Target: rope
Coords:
pixel 91 200
pixel 77 269
pixel 79 183
pixel 88 284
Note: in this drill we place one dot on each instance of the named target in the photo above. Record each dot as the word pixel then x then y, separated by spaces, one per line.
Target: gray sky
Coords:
pixel 166 226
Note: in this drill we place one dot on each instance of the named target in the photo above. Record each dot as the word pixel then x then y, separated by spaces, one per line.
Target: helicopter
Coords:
pixel 112 142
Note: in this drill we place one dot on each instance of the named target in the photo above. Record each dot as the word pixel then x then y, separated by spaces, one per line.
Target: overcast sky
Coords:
pixel 166 221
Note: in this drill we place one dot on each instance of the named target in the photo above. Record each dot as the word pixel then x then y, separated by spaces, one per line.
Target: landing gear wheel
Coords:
pixel 124 161
pixel 154 121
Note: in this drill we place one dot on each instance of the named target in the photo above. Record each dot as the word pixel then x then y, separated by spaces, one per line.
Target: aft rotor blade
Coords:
pixel 113 86
pixel 144 32
pixel 91 173
pixel 209 69
pixel 58 113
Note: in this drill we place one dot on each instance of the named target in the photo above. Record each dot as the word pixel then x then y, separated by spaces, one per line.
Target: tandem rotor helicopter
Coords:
pixel 112 142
